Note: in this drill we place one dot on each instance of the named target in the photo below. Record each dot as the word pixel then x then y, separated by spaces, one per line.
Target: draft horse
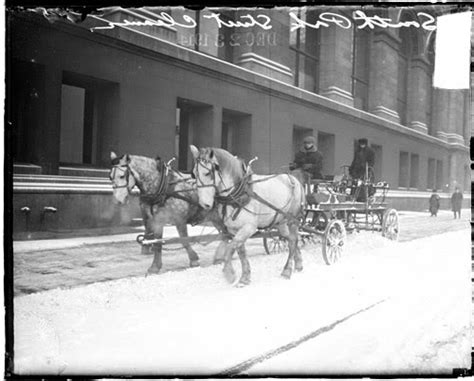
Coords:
pixel 167 196
pixel 247 202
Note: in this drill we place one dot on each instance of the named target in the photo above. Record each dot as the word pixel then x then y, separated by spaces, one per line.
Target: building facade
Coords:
pixel 151 81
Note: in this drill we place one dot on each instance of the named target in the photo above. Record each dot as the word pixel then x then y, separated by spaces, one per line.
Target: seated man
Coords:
pixel 309 159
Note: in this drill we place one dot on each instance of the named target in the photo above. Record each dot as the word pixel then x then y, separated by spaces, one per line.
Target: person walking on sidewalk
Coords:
pixel 434 203
pixel 456 202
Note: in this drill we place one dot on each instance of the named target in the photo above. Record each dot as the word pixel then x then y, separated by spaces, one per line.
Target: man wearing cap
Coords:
pixel 362 156
pixel 309 159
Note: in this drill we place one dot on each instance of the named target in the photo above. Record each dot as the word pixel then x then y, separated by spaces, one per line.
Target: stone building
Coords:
pixel 167 78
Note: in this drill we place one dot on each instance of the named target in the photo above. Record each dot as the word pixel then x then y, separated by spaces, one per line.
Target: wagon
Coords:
pixel 342 206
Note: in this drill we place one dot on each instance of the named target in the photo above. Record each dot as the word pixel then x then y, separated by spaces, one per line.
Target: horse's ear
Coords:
pixel 113 155
pixel 194 151
pixel 127 158
pixel 211 154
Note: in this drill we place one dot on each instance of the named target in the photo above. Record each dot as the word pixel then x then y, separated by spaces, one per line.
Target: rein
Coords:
pixel 241 193
pixel 126 172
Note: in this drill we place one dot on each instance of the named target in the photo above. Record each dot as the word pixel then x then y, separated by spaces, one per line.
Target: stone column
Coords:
pixel 458 161
pixel 456 117
pixel 335 73
pixel 467 118
pixel 440 113
pixel 384 75
pixel 264 51
pixel 49 139
pixel 418 93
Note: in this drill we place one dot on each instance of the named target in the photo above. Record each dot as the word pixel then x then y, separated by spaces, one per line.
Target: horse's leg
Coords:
pixel 228 269
pixel 192 255
pixel 245 277
pixel 156 248
pixel 237 243
pixel 146 249
pixel 290 232
pixel 219 255
pixel 216 220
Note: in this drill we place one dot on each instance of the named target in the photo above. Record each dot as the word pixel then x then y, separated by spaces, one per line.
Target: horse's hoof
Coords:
pixel 299 268
pixel 152 271
pixel 243 282
pixel 229 275
pixel 194 263
pixel 286 273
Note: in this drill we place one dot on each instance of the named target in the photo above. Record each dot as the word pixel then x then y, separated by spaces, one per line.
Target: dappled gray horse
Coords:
pixel 166 197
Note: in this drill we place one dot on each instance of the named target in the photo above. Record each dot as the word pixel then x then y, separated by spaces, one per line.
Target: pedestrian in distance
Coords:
pixel 434 204
pixel 456 202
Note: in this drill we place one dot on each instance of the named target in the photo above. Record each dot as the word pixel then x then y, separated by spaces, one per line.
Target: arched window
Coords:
pixel 361 67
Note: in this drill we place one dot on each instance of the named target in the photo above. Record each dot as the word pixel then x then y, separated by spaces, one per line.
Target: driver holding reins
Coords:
pixel 309 159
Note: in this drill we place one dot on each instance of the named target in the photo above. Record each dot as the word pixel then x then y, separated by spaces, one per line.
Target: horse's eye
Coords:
pixel 122 177
pixel 208 174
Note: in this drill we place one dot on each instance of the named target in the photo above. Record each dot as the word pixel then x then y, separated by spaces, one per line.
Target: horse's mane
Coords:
pixel 143 163
pixel 233 165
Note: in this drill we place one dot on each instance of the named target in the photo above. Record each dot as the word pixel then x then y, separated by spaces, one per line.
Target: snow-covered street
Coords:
pixel 386 307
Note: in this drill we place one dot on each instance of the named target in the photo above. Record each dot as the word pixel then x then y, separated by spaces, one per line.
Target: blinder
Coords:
pixel 214 168
pixel 125 169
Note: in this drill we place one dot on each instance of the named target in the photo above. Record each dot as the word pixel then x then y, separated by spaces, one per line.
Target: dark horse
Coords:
pixel 166 197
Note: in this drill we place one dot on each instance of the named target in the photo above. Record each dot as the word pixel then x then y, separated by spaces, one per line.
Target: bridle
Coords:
pixel 214 168
pixel 125 169
pixel 235 190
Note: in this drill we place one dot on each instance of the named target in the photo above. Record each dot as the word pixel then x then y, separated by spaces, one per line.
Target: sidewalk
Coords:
pixel 169 231
pixel 66 243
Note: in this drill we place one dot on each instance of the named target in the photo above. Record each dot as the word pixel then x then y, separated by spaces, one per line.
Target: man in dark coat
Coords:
pixel 456 202
pixel 362 156
pixel 434 203
pixel 309 159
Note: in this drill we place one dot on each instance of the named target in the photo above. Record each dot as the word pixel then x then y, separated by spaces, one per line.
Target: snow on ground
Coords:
pixel 417 297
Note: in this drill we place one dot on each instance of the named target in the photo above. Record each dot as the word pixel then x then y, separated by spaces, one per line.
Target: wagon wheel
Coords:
pixel 333 241
pixel 277 244
pixel 390 225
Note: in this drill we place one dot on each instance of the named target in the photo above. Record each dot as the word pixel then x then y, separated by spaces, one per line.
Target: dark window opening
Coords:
pixel 361 68
pixel 25 110
pixel 305 47
pixel 88 112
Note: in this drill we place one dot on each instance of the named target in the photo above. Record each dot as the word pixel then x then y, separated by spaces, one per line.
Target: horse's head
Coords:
pixel 206 172
pixel 216 172
pixel 121 177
